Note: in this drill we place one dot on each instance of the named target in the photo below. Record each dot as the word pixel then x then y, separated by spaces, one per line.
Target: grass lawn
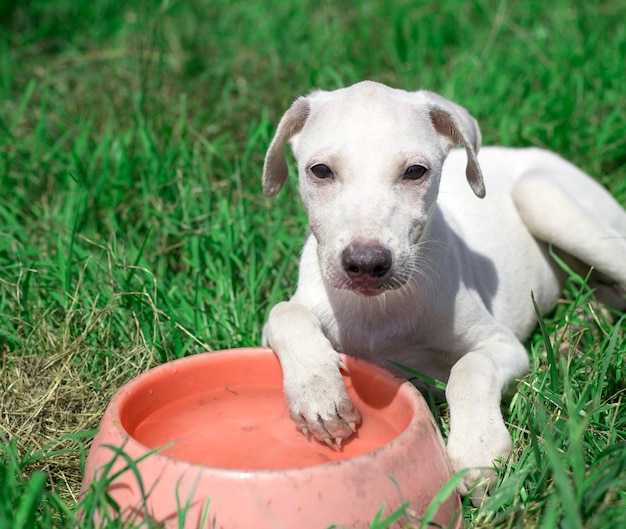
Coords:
pixel 133 231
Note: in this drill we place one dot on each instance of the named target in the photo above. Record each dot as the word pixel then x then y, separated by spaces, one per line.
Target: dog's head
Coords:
pixel 369 162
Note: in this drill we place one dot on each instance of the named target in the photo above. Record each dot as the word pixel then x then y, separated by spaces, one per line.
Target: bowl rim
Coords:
pixel 413 396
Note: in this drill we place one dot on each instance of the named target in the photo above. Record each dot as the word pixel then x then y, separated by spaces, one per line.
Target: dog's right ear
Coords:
pixel 275 169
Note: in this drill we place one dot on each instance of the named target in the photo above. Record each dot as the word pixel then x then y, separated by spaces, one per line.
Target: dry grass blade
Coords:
pixel 46 399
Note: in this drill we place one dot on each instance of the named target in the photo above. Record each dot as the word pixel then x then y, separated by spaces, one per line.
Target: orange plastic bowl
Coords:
pixel 228 448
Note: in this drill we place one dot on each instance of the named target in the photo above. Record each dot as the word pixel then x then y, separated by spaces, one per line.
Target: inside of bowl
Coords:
pixel 227 410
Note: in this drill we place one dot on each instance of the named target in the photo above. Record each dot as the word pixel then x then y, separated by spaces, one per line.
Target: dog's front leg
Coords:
pixel 478 436
pixel 314 389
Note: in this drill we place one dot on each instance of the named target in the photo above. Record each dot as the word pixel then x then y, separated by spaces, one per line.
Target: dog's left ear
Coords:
pixel 458 127
pixel 275 169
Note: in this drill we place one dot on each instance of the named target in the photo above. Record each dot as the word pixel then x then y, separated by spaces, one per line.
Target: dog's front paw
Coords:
pixel 319 403
pixel 479 451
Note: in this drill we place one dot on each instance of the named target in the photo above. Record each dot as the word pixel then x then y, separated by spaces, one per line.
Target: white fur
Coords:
pixel 456 302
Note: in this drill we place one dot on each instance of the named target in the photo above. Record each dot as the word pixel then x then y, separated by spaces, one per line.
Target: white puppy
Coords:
pixel 405 264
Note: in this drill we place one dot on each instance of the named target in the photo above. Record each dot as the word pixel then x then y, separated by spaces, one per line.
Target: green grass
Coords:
pixel 132 230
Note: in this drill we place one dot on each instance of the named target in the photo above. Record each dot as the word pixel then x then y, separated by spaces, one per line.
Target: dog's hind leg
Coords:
pixel 577 216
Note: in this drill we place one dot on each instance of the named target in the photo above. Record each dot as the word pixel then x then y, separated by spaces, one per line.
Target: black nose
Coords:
pixel 366 259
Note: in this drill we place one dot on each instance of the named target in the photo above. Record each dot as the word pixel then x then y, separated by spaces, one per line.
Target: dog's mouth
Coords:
pixel 368 292
pixel 375 290
pixel 366 286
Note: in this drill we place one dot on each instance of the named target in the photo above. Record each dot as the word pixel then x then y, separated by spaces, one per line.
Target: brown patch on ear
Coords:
pixel 461 130
pixel 443 125
pixel 275 170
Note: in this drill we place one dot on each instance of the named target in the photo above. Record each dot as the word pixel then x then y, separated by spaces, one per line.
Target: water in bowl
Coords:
pixel 249 428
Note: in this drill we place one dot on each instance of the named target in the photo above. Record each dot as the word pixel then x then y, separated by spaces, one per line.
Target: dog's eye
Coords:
pixel 415 172
pixel 322 171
